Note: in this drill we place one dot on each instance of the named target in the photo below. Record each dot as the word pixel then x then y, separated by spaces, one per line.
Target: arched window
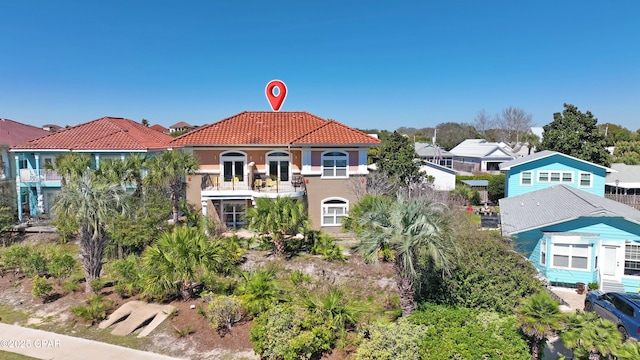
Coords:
pixel 278 165
pixel 333 211
pixel 335 164
pixel 232 163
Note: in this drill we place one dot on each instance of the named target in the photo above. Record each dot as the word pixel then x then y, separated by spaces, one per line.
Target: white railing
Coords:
pixel 29 175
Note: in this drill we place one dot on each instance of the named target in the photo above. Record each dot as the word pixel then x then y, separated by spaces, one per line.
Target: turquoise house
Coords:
pixel 107 138
pixel 549 168
pixel 571 235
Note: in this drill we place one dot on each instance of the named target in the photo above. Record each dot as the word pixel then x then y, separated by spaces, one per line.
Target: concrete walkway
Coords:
pixel 48 345
pixel 571 297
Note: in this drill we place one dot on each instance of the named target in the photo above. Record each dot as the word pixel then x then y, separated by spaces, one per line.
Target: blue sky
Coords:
pixel 368 64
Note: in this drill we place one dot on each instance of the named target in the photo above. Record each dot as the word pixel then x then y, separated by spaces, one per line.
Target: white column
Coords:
pixel 203 202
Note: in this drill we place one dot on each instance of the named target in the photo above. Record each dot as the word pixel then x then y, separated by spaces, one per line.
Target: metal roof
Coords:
pixel 476 182
pixel 557 204
pixel 543 154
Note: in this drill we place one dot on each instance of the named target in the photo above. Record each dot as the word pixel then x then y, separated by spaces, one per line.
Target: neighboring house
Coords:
pixel 51 127
pixel 180 127
pixel 434 154
pixel 271 154
pixel 548 168
pixel 521 149
pixel 13 133
pixel 624 181
pixel 444 178
pixel 571 236
pixel 479 155
pixel 104 138
pixel 160 128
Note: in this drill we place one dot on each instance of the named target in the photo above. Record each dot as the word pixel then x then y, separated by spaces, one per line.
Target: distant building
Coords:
pixel 180 127
pixel 479 155
pixel 434 154
pixel 160 128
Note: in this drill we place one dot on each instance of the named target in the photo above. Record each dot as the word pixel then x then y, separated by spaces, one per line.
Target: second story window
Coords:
pixel 526 178
pixel 335 164
pixel 585 179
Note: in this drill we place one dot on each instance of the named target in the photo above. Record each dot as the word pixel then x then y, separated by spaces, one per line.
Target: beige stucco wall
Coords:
pixel 193 190
pixel 319 189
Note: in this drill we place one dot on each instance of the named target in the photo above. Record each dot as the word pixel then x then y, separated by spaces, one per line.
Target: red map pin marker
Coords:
pixel 276 101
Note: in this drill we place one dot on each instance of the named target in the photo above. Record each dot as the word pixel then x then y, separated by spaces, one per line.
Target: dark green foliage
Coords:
pixel 278 219
pixel 475 198
pixel 259 291
pixel 575 133
pixel 459 333
pixel 616 133
pixel 290 332
pixel 538 316
pixel 94 310
pixel 319 243
pixel 366 204
pixel 495 189
pixel 449 135
pixel 397 158
pixel 128 276
pixel 488 274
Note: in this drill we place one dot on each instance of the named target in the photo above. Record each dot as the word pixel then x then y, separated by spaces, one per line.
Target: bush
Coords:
pixel 61 265
pixel 396 341
pixel 260 291
pixel 41 287
pixel 459 333
pixel 289 332
pixel 71 286
pixel 94 310
pixel 224 311
pixel 14 258
pixel 97 285
pixel 36 263
pixel 128 275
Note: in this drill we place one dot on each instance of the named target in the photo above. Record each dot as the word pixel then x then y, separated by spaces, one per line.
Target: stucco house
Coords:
pixel 13 133
pixel 571 236
pixel 444 178
pixel 548 168
pixel 105 138
pixel 257 154
pixel 479 155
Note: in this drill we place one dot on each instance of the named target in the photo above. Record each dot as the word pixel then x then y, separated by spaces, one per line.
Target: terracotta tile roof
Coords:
pixel 107 133
pixel 180 124
pixel 275 128
pixel 13 133
pixel 158 127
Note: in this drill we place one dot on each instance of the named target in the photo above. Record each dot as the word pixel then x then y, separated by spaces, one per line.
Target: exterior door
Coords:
pixel 233 212
pixel 612 262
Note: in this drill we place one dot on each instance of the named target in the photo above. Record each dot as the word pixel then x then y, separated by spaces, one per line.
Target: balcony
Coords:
pixel 30 176
pixel 213 186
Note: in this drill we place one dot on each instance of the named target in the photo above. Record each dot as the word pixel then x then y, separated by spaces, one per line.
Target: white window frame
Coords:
pixel 326 157
pixel 543 252
pixel 561 174
pixel 325 207
pixel 634 258
pixel 571 253
pixel 530 178
pixel 271 156
pixel 228 156
pixel 590 179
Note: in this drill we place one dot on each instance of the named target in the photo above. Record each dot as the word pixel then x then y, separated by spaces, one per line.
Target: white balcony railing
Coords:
pixel 29 175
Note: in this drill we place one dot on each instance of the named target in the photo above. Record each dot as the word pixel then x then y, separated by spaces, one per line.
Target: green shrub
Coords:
pixel 395 341
pixel 459 333
pixel 94 310
pixel 61 265
pixel 71 286
pixel 14 258
pixel 128 275
pixel 97 284
pixel 224 311
pixel 259 291
pixel 183 332
pixel 336 310
pixel 289 332
pixel 36 263
pixel 41 287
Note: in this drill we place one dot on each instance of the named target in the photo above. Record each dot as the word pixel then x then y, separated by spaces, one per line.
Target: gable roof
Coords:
pixel 158 127
pixel 13 133
pixel 428 150
pixel 437 167
pixel 275 128
pixel 557 204
pixel 107 133
pixel 180 124
pixel 479 148
pixel 544 154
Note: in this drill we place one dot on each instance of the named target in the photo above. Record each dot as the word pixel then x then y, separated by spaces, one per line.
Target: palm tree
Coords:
pixel 414 230
pixel 591 337
pixel 70 166
pixel 145 122
pixel 172 265
pixel 169 169
pixel 532 140
pixel 278 218
pixel 538 316
pixel 91 203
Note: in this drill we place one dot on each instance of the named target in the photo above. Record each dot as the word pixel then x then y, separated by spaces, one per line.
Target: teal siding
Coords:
pixel 631 284
pixel 554 163
pixel 616 229
pixel 535 258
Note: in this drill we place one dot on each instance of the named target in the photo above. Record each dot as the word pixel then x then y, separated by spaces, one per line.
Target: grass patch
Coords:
pixel 9 315
pixel 5 355
pixel 93 333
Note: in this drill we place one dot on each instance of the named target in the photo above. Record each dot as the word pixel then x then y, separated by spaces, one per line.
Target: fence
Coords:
pixel 631 200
